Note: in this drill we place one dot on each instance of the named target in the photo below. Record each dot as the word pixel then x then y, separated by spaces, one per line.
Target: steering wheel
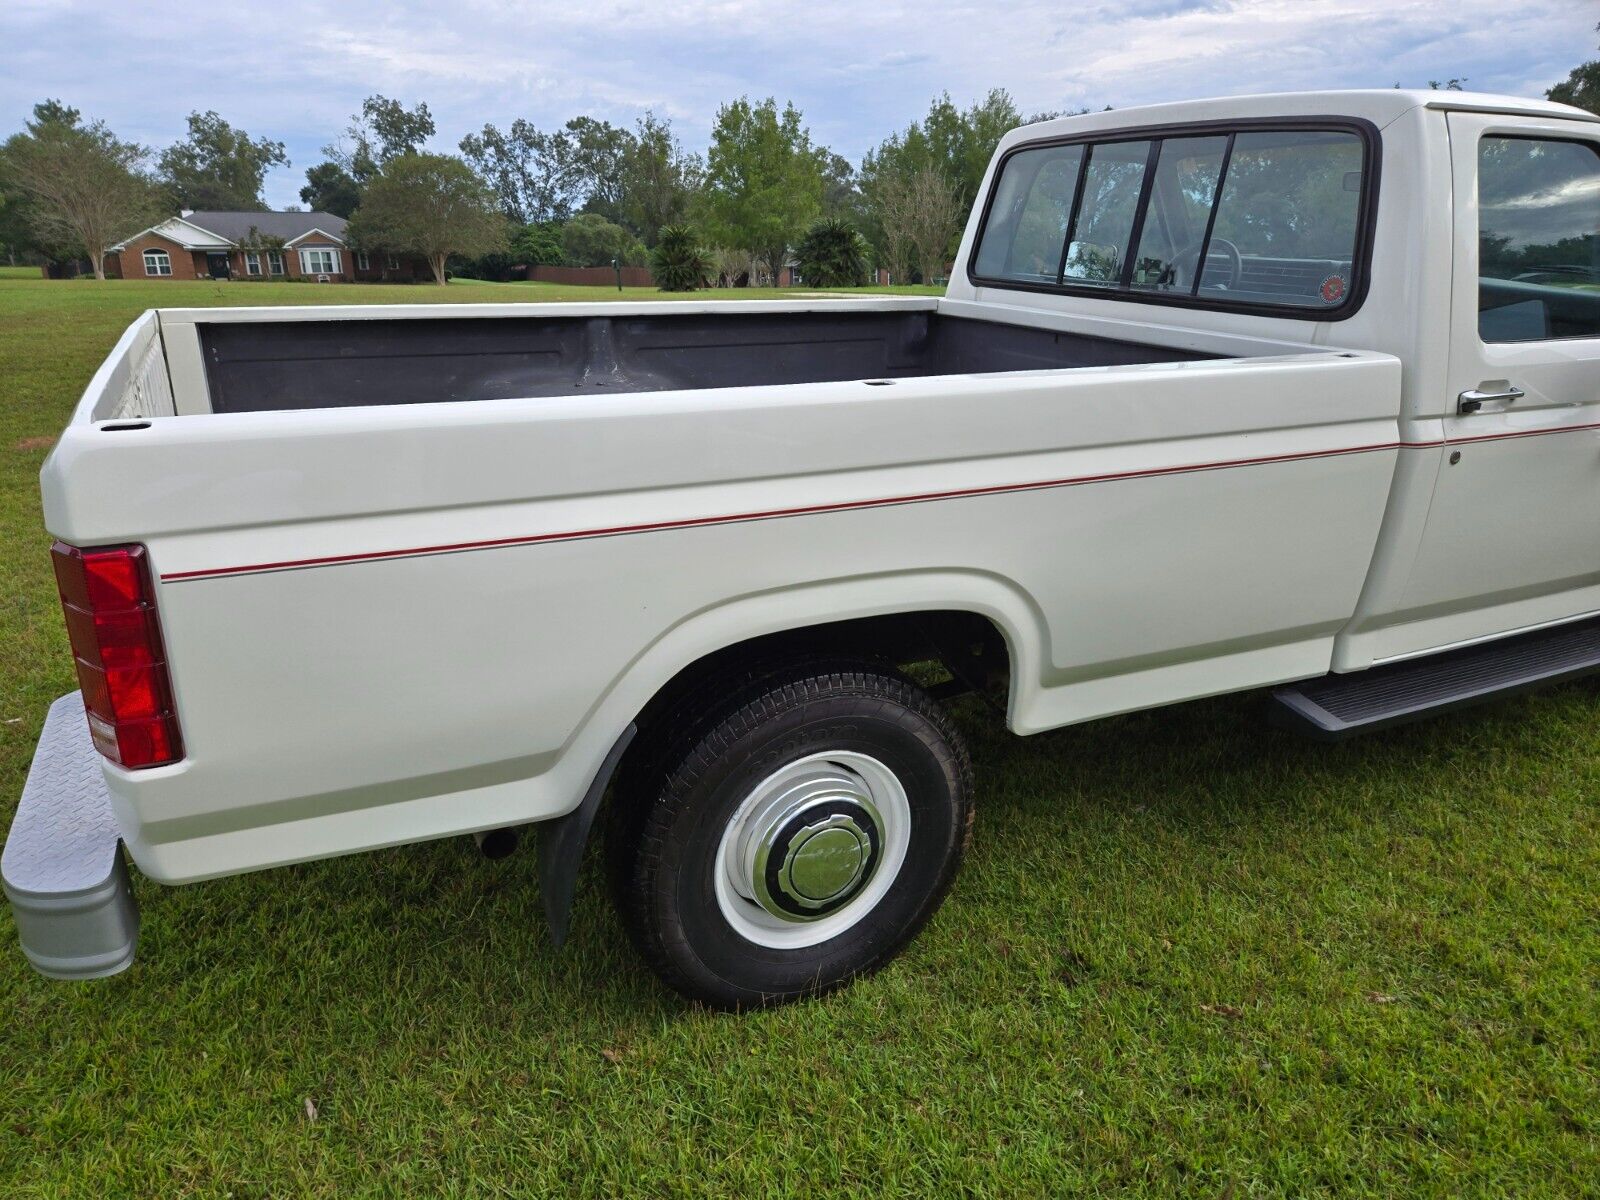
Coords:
pixel 1182 266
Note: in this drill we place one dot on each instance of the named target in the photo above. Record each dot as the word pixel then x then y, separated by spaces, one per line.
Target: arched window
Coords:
pixel 157 262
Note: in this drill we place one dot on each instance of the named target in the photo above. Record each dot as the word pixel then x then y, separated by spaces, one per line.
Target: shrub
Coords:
pixel 589 240
pixel 495 266
pixel 538 244
pixel 679 262
pixel 832 254
pixel 731 268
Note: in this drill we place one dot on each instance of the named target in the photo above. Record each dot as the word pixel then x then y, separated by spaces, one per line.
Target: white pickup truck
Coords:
pixel 1297 392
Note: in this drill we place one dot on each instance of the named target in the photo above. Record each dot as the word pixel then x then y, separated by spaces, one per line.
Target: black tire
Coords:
pixel 676 803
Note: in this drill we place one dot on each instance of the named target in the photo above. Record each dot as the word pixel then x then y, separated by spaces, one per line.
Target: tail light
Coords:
pixel 109 602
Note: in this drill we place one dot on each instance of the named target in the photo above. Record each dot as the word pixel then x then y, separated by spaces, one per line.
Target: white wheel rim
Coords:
pixel 812 849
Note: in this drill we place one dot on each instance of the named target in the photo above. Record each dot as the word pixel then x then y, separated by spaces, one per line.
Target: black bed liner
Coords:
pixel 267 366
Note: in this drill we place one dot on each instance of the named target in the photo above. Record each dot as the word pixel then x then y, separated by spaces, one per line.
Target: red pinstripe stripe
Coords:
pixel 818 509
pixel 1501 437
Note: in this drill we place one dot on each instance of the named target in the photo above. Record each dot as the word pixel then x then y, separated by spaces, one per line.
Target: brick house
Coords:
pixel 304 246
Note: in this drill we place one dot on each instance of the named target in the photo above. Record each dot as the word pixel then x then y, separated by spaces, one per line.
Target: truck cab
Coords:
pixel 1473 262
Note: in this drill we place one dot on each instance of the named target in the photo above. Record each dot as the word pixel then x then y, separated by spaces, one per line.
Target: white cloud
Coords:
pixel 296 69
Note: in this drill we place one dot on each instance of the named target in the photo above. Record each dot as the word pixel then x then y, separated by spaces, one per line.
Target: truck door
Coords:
pixel 1513 535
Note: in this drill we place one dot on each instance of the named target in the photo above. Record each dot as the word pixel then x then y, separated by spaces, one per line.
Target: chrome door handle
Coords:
pixel 1472 400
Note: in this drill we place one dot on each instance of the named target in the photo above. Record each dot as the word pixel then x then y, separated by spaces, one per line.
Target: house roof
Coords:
pixel 176 229
pixel 226 230
pixel 290 226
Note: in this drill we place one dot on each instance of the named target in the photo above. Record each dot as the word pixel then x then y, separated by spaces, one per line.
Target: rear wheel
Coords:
pixel 796 840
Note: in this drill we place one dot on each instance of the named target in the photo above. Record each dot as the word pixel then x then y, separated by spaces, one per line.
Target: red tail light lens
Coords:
pixel 109 602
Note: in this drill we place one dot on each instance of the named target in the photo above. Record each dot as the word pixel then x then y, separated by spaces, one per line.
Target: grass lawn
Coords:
pixel 1188 957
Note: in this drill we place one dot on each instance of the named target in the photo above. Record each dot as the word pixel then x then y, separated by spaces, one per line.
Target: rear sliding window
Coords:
pixel 1261 219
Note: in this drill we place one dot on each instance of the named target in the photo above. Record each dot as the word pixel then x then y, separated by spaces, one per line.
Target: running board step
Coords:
pixel 1338 706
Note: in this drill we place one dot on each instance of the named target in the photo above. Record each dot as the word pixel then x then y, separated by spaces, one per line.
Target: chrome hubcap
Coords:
pixel 812 849
pixel 814 846
pixel 825 861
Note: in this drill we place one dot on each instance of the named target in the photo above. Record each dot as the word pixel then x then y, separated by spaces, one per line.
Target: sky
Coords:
pixel 295 70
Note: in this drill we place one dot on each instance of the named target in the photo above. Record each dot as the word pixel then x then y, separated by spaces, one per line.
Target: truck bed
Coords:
pixel 263 367
pixel 495 585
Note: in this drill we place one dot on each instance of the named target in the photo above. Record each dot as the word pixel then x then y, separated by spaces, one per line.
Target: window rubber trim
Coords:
pixel 1366 220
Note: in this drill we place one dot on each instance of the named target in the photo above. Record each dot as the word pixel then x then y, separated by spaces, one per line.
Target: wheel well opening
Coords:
pixel 948 651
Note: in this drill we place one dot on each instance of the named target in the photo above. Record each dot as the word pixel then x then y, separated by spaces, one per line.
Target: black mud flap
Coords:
pixel 561 844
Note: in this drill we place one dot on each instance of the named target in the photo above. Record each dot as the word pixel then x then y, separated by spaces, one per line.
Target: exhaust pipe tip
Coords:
pixel 496 843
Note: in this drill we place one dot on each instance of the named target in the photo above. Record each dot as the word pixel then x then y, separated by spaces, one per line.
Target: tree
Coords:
pixel 391 129
pixel 85 188
pixel 589 240
pixel 957 144
pixel 730 267
pixel 17 237
pixel 383 130
pixel 596 154
pixel 1581 87
pixel 982 126
pixel 642 178
pixel 531 171
pixel 431 205
pixel 832 254
pixel 920 216
pixel 331 189
pixel 659 178
pixel 763 179
pixel 841 197
pixel 679 263
pixel 538 244
pixel 218 166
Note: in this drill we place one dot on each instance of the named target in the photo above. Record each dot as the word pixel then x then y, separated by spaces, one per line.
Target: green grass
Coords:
pixel 1187 957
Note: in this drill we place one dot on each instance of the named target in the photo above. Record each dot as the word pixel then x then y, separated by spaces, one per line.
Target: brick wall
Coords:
pixel 241 269
pixel 406 270
pixel 128 263
pixel 593 276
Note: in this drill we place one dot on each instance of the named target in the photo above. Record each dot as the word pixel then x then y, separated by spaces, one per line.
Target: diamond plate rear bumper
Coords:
pixel 62 867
